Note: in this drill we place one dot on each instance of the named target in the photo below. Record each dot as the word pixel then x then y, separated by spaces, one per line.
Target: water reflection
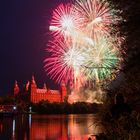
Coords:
pixel 48 127
pixel 30 120
pixel 14 127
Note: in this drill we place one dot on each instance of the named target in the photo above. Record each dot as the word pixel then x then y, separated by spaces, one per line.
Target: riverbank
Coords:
pixel 44 107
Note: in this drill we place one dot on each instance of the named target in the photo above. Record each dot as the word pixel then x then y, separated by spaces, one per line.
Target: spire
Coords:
pixel 33 80
pixel 33 85
pixel 63 83
pixel 16 88
pixel 16 84
pixel 63 91
pixel 44 86
pixel 27 86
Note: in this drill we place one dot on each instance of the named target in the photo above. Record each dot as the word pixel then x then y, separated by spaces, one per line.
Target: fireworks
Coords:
pixel 96 16
pixel 64 21
pixel 82 48
pixel 56 65
pixel 102 61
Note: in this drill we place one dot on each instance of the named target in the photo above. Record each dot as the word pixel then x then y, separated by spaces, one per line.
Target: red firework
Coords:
pixel 54 63
pixel 64 20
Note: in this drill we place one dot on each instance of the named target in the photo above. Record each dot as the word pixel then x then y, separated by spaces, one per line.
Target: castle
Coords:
pixel 34 94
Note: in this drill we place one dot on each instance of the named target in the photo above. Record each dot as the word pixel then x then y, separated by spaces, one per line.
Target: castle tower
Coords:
pixel 27 86
pixel 33 85
pixel 44 86
pixel 63 91
pixel 16 88
pixel 33 90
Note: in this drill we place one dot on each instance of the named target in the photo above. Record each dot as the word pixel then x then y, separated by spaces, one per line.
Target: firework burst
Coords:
pixel 64 61
pixel 83 48
pixel 55 64
pixel 65 21
pixel 103 58
pixel 96 16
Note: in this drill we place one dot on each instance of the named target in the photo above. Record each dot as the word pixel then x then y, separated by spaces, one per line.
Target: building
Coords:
pixel 34 94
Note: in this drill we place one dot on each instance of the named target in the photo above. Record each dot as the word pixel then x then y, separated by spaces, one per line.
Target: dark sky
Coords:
pixel 23 35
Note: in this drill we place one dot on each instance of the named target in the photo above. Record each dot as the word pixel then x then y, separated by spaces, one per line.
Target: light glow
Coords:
pixel 82 48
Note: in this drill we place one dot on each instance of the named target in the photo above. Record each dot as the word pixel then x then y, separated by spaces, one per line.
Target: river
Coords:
pixel 49 127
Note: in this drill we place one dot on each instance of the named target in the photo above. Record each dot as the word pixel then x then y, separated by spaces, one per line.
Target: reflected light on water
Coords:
pixel 13 129
pixel 30 120
pixel 1 127
pixel 50 127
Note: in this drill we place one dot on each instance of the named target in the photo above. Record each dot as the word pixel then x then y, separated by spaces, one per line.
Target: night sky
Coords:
pixel 23 38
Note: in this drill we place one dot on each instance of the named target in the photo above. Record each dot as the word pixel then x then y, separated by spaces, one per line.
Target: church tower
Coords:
pixel 16 89
pixel 63 91
pixel 33 90
pixel 33 86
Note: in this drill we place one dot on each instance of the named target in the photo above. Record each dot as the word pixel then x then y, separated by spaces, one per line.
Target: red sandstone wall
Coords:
pixel 36 97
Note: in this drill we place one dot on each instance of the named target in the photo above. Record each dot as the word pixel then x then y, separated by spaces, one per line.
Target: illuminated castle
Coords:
pixel 34 94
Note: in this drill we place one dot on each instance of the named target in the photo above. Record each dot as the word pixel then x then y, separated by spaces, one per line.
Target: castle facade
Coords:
pixel 34 94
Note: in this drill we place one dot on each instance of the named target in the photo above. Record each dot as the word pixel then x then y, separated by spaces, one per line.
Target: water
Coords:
pixel 49 127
